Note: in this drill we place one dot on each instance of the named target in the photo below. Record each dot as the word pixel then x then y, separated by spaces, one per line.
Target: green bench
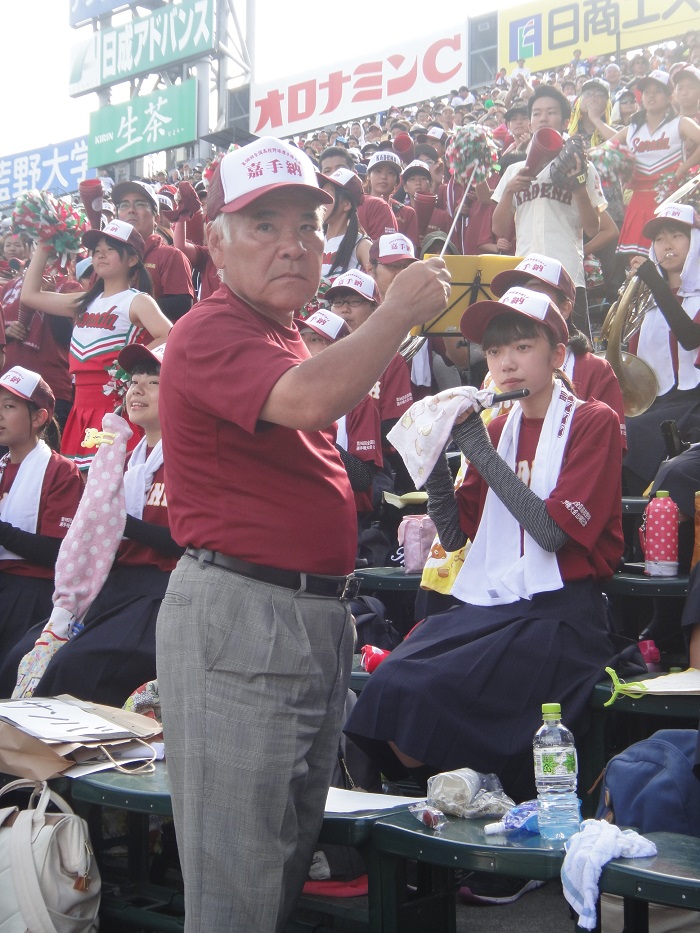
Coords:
pixel 671 877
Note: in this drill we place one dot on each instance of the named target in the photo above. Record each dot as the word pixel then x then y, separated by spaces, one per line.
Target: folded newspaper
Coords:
pixel 42 737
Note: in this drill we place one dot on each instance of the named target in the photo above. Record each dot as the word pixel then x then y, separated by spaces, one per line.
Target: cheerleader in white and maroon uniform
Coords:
pixel 115 651
pixel 111 315
pixel 655 136
pixel 39 494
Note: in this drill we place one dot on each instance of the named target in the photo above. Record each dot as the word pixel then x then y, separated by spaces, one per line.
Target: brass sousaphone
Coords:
pixel 638 382
pixel 637 379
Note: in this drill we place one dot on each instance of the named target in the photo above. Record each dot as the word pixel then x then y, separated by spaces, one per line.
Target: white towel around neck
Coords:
pixel 139 475
pixel 494 571
pixel 20 506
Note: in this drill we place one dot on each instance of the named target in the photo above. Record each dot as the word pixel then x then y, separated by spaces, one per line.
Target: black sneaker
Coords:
pixel 484 888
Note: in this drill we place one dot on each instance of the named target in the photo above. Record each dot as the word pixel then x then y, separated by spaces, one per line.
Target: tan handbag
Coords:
pixel 49 880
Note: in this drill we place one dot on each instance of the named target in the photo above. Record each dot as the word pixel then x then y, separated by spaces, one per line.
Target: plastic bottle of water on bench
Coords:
pixel 556 770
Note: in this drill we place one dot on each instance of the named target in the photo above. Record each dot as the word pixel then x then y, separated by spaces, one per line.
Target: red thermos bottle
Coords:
pixel 660 536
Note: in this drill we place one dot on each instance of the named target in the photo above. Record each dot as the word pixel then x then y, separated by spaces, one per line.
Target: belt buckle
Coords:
pixel 351 587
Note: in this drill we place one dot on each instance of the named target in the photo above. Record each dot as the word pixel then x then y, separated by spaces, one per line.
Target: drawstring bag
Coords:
pixel 416 533
pixel 49 880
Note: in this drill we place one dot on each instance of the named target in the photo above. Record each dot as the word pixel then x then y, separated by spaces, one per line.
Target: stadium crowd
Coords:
pixel 279 306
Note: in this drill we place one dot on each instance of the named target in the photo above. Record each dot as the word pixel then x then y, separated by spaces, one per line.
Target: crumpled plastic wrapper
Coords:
pixel 468 794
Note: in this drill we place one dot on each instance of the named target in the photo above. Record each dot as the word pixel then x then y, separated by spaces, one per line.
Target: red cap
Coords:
pixel 137 353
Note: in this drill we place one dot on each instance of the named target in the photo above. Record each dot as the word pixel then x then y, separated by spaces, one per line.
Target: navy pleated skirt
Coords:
pixel 466 688
pixel 24 601
pixel 116 651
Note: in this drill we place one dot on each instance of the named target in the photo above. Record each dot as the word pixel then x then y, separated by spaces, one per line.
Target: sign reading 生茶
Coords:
pixel 57 168
pixel 161 120
pixel 548 37
pixel 145 45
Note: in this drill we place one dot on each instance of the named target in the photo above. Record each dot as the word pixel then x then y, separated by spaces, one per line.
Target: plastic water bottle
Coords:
pixel 556 770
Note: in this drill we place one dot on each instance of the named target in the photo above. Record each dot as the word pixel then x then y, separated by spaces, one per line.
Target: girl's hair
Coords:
pixel 50 431
pixel 672 226
pixel 139 277
pixel 350 238
pixel 145 368
pixel 509 326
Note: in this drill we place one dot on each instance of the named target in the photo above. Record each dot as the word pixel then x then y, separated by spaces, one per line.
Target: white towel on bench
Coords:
pixel 587 853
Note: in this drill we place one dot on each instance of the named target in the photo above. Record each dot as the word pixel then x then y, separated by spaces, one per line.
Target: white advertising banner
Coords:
pixel 408 72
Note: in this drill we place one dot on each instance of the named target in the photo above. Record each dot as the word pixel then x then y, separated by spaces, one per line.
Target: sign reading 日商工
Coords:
pixel 145 45
pixel 161 120
pixel 548 37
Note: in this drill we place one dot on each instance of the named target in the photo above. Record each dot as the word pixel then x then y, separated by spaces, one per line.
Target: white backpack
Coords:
pixel 49 880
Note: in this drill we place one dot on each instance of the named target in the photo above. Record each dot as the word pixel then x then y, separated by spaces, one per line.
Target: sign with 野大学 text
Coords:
pixel 548 37
pixel 58 168
pixel 161 120
pixel 427 67
pixel 145 45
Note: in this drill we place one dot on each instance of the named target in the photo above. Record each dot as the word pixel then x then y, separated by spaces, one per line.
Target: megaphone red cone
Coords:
pixel 545 145
pixel 403 147
pixel 424 205
pixel 91 196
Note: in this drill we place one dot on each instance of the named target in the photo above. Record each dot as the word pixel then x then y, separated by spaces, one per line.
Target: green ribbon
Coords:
pixel 634 689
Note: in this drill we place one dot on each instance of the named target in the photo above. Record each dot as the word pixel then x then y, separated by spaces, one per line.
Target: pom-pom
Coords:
pixel 613 162
pixel 472 154
pixel 44 218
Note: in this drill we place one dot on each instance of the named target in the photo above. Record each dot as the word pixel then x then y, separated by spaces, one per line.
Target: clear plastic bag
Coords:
pixel 468 794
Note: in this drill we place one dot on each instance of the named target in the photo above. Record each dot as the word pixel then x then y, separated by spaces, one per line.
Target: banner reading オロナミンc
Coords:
pixel 548 37
pixel 424 68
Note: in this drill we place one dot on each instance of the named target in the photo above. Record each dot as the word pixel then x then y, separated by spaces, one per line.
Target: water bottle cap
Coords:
pixel 551 710
pixel 661 493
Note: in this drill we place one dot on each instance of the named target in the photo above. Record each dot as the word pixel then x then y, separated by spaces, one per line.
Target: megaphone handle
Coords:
pixel 457 213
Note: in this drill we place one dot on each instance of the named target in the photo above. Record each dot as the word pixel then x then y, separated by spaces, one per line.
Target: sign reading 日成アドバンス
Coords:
pixel 58 168
pixel 548 37
pixel 145 45
pixel 161 120
pixel 427 67
pixel 82 11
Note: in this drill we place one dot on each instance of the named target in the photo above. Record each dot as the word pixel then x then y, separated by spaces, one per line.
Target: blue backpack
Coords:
pixel 651 786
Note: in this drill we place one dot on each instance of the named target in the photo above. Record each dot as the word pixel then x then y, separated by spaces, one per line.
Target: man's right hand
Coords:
pixel 519 182
pixel 419 292
pixel 16 331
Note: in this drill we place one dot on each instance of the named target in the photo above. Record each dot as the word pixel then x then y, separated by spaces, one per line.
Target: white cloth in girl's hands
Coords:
pixel 422 432
pixel 587 853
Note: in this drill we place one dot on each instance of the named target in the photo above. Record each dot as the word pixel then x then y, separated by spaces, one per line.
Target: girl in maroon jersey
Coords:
pixel 39 493
pixel 116 311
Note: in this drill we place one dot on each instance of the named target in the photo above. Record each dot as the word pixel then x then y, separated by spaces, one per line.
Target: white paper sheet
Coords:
pixel 352 801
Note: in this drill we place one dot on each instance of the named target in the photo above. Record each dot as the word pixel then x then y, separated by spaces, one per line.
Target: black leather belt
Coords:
pixel 339 587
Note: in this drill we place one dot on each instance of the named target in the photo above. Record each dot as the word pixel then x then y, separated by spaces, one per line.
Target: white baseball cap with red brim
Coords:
pixel 355 281
pixel 326 324
pixel 533 305
pixel 28 385
pixel 535 266
pixel 391 247
pixel 267 164
pixel 661 78
pixel 137 353
pixel 680 213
